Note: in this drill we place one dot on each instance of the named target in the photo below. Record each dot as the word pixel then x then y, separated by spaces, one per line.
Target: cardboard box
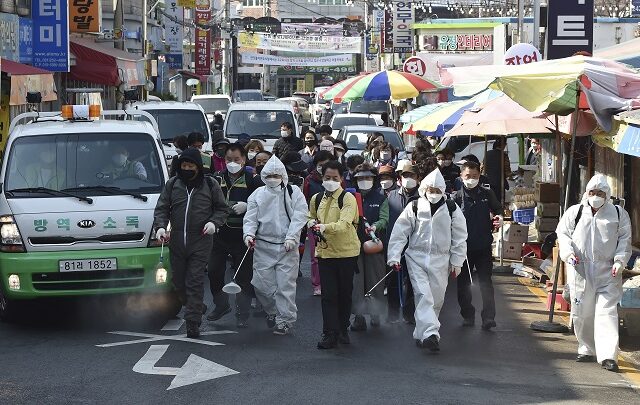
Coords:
pixel 547 192
pixel 546 224
pixel 510 250
pixel 548 210
pixel 516 233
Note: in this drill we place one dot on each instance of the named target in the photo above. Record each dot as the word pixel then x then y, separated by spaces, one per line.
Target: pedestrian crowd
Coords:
pixel 385 236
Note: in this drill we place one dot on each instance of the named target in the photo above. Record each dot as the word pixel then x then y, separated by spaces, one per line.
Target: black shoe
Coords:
pixel 469 322
pixel 375 321
pixel 193 329
pixel 431 343
pixel 610 365
pixel 219 313
pixel 419 344
pixel 343 338
pixel 329 341
pixel 487 325
pixel 242 323
pixel 282 329
pixel 585 358
pixel 359 324
pixel 271 321
pixel 204 308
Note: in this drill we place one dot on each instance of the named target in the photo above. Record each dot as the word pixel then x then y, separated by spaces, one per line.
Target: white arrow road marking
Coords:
pixel 173 325
pixel 155 338
pixel 196 369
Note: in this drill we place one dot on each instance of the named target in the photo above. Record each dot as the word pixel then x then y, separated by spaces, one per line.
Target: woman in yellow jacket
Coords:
pixel 333 217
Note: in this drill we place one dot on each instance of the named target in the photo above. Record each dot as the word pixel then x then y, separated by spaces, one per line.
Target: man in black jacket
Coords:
pixel 196 209
pixel 477 203
pixel 288 141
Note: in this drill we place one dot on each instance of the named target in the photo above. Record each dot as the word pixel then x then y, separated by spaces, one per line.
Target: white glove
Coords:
pixel 249 241
pixel 321 227
pixel 311 223
pixel 289 245
pixel 457 270
pixel 616 269
pixel 239 208
pixel 393 263
pixel 161 234
pixel 209 228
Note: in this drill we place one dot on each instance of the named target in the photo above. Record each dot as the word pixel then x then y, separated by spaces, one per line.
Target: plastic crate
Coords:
pixel 524 216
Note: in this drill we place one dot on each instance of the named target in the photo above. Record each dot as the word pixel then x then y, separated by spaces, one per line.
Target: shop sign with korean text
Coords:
pixel 25 40
pixel 9 38
pixel 305 44
pixel 387 32
pixel 203 44
pixel 312 29
pixel 457 42
pixel 85 16
pixel 402 26
pixel 569 28
pixel 50 35
pixel 313 70
pixel 274 60
pixel 174 31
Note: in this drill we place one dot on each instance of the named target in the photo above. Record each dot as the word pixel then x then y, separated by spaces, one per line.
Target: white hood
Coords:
pixel 274 166
pixel 598 182
pixel 433 179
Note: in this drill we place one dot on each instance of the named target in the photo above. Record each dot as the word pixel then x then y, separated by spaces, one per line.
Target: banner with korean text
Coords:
pixel 203 44
pixel 273 60
pixel 50 35
pixel 174 34
pixel 306 44
pixel 85 16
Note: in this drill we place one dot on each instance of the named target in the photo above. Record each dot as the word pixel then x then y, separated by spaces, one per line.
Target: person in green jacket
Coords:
pixel 372 266
pixel 334 216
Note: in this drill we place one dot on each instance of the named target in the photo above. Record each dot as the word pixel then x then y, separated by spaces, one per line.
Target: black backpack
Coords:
pixel 451 205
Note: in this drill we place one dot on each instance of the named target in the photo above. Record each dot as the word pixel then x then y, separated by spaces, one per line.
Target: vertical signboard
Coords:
pixel 84 15
pixel 402 26
pixel 203 44
pixel 387 32
pixel 569 27
pixel 9 37
pixel 635 8
pixel 25 40
pixel 174 34
pixel 50 35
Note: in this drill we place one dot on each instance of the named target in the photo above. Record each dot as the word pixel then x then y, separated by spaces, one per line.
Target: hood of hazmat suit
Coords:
pixel 598 240
pixel 435 242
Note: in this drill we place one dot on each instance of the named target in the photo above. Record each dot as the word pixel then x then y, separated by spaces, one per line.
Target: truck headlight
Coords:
pixel 14 282
pixel 10 238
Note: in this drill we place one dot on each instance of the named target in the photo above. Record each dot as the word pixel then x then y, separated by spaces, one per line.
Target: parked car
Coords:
pixel 340 121
pixel 356 138
pixel 300 108
pixel 211 103
pixel 247 95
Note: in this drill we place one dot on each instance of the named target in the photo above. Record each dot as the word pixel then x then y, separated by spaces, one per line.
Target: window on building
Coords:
pixel 253 3
pixel 332 2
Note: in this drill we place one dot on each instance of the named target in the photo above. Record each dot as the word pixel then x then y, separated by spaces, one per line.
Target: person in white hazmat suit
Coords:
pixel 436 232
pixel 595 241
pixel 276 214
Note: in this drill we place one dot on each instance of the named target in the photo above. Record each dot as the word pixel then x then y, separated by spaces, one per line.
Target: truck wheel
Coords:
pixel 7 308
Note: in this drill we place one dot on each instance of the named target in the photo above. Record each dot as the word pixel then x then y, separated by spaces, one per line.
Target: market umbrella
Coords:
pixel 384 85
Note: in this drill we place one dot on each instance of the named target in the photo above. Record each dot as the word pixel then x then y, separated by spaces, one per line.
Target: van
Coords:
pixel 177 118
pixel 76 207
pixel 212 103
pixel 260 120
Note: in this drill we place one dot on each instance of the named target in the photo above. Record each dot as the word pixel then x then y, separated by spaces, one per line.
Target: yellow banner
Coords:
pixel 4 121
pixel 187 3
pixel 246 40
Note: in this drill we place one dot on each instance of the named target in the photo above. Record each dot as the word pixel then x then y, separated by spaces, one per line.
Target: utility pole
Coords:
pixel 536 24
pixel 520 20
pixel 227 46
pixel 144 46
pixel 266 69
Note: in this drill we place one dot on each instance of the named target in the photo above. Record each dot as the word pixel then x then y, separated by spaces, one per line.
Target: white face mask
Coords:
pixel 120 159
pixel 272 183
pixel 251 155
pixel 409 183
pixel 470 183
pixel 385 156
pixel 386 184
pixel 365 184
pixel 595 201
pixel 433 198
pixel 330 185
pixel 284 134
pixel 234 167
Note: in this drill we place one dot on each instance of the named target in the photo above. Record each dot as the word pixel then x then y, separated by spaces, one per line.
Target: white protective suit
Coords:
pixel 598 241
pixel 435 244
pixel 274 269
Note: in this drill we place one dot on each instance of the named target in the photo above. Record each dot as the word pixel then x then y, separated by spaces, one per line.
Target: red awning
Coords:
pixel 192 75
pixel 15 68
pixel 102 64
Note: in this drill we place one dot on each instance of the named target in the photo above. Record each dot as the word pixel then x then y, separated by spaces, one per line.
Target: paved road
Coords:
pixel 54 358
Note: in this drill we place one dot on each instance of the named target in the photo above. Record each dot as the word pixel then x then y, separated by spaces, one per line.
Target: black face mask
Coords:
pixel 310 143
pixel 221 152
pixel 188 175
pixel 259 169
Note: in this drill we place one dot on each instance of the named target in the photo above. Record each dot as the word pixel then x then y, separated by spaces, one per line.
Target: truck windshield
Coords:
pixel 369 107
pixel 127 162
pixel 257 124
pixel 180 122
pixel 211 105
